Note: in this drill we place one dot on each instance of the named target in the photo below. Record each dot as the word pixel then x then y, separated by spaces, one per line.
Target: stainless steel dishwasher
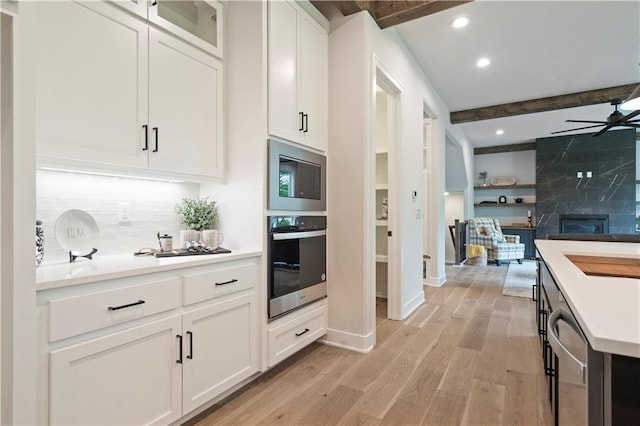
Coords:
pixel 579 374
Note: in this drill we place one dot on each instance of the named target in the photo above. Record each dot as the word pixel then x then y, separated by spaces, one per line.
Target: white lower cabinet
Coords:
pixel 129 377
pixel 295 331
pixel 219 344
pixel 158 359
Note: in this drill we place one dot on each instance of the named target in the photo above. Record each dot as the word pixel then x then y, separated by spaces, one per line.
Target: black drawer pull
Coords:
pixel 179 360
pixel 301 114
pixel 306 330
pixel 155 129
pixel 228 282
pixel 146 137
pixel 190 334
pixel 115 308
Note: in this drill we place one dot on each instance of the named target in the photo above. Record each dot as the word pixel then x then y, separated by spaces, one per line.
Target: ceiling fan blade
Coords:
pixel 630 115
pixel 607 127
pixel 586 121
pixel 579 128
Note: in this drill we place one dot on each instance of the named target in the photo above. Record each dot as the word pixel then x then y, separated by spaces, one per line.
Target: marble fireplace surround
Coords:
pixel 611 159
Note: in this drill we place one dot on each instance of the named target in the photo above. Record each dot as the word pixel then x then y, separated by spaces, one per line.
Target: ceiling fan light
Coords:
pixel 633 101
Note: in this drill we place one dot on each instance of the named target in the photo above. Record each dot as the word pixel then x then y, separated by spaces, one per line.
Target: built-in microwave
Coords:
pixel 297 178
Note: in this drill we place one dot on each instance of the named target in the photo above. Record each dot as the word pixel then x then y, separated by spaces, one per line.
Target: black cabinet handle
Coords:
pixel 179 360
pixel 306 330
pixel 154 3
pixel 228 282
pixel 301 114
pixel 305 118
pixel 146 137
pixel 190 334
pixel 155 129
pixel 115 308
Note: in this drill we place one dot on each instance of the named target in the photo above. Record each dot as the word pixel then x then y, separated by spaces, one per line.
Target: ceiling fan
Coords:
pixel 616 119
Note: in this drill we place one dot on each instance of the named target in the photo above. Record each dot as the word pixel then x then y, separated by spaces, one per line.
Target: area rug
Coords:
pixel 520 279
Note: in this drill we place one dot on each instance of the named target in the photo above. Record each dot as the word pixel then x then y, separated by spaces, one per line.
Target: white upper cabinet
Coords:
pixel 91 83
pixel 185 108
pixel 198 22
pixel 113 90
pixel 297 75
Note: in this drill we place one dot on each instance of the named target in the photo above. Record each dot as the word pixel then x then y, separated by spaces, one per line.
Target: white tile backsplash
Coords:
pixel 151 208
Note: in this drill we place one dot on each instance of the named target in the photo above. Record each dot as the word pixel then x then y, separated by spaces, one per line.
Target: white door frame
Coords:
pixel 381 77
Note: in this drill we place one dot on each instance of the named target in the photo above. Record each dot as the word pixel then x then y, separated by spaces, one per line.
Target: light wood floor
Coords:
pixel 469 356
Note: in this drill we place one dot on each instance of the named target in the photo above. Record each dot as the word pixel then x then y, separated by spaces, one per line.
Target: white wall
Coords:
pixel 352 42
pixel 18 203
pixel 520 164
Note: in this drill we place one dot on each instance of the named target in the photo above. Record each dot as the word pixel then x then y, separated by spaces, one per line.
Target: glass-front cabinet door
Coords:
pixel 198 22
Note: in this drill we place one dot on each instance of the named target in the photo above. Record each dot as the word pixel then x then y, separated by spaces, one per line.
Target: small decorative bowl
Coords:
pixel 518 200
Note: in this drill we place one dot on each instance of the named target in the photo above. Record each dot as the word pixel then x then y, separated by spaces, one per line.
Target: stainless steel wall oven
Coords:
pixel 297 259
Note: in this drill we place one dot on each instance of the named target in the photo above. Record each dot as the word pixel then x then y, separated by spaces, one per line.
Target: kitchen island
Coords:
pixel 607 308
pixel 588 317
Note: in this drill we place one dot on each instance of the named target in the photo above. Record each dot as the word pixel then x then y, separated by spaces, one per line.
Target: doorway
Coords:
pixel 385 138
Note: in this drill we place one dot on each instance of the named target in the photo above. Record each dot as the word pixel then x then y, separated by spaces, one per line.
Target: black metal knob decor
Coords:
pixel 39 242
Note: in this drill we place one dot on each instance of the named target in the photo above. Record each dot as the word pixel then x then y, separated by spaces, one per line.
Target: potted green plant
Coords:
pixel 483 177
pixel 197 214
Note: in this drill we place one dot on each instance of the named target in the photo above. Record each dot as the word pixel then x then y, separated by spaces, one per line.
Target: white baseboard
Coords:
pixel 350 341
pixel 412 305
pixel 436 281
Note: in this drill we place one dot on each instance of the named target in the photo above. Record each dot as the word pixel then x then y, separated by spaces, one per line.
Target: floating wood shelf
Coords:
pixel 382 222
pixel 505 205
pixel 524 185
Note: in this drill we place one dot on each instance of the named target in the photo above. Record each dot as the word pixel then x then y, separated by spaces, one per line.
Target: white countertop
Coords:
pixel 607 308
pixel 62 273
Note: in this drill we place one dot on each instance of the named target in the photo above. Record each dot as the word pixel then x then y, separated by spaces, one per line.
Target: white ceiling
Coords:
pixel 537 49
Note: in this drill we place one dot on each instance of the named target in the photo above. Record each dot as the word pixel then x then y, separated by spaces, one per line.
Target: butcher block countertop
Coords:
pixel 600 282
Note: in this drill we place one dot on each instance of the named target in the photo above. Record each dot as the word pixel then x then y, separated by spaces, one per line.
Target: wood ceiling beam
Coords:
pixel 350 7
pixel 571 100
pixel 388 13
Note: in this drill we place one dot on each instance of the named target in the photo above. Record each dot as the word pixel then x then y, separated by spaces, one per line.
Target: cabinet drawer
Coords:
pixel 80 314
pixel 288 338
pixel 209 285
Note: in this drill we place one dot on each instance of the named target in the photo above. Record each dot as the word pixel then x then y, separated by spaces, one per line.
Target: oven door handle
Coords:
pixel 560 350
pixel 298 235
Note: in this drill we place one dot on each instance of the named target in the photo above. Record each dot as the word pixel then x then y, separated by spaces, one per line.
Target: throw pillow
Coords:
pixel 499 236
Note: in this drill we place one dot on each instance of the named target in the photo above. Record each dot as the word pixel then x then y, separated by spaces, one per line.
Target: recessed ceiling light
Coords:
pixel 483 62
pixel 460 22
pixel 499 132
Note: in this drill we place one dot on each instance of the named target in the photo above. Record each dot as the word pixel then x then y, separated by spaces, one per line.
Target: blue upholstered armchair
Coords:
pixel 486 232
